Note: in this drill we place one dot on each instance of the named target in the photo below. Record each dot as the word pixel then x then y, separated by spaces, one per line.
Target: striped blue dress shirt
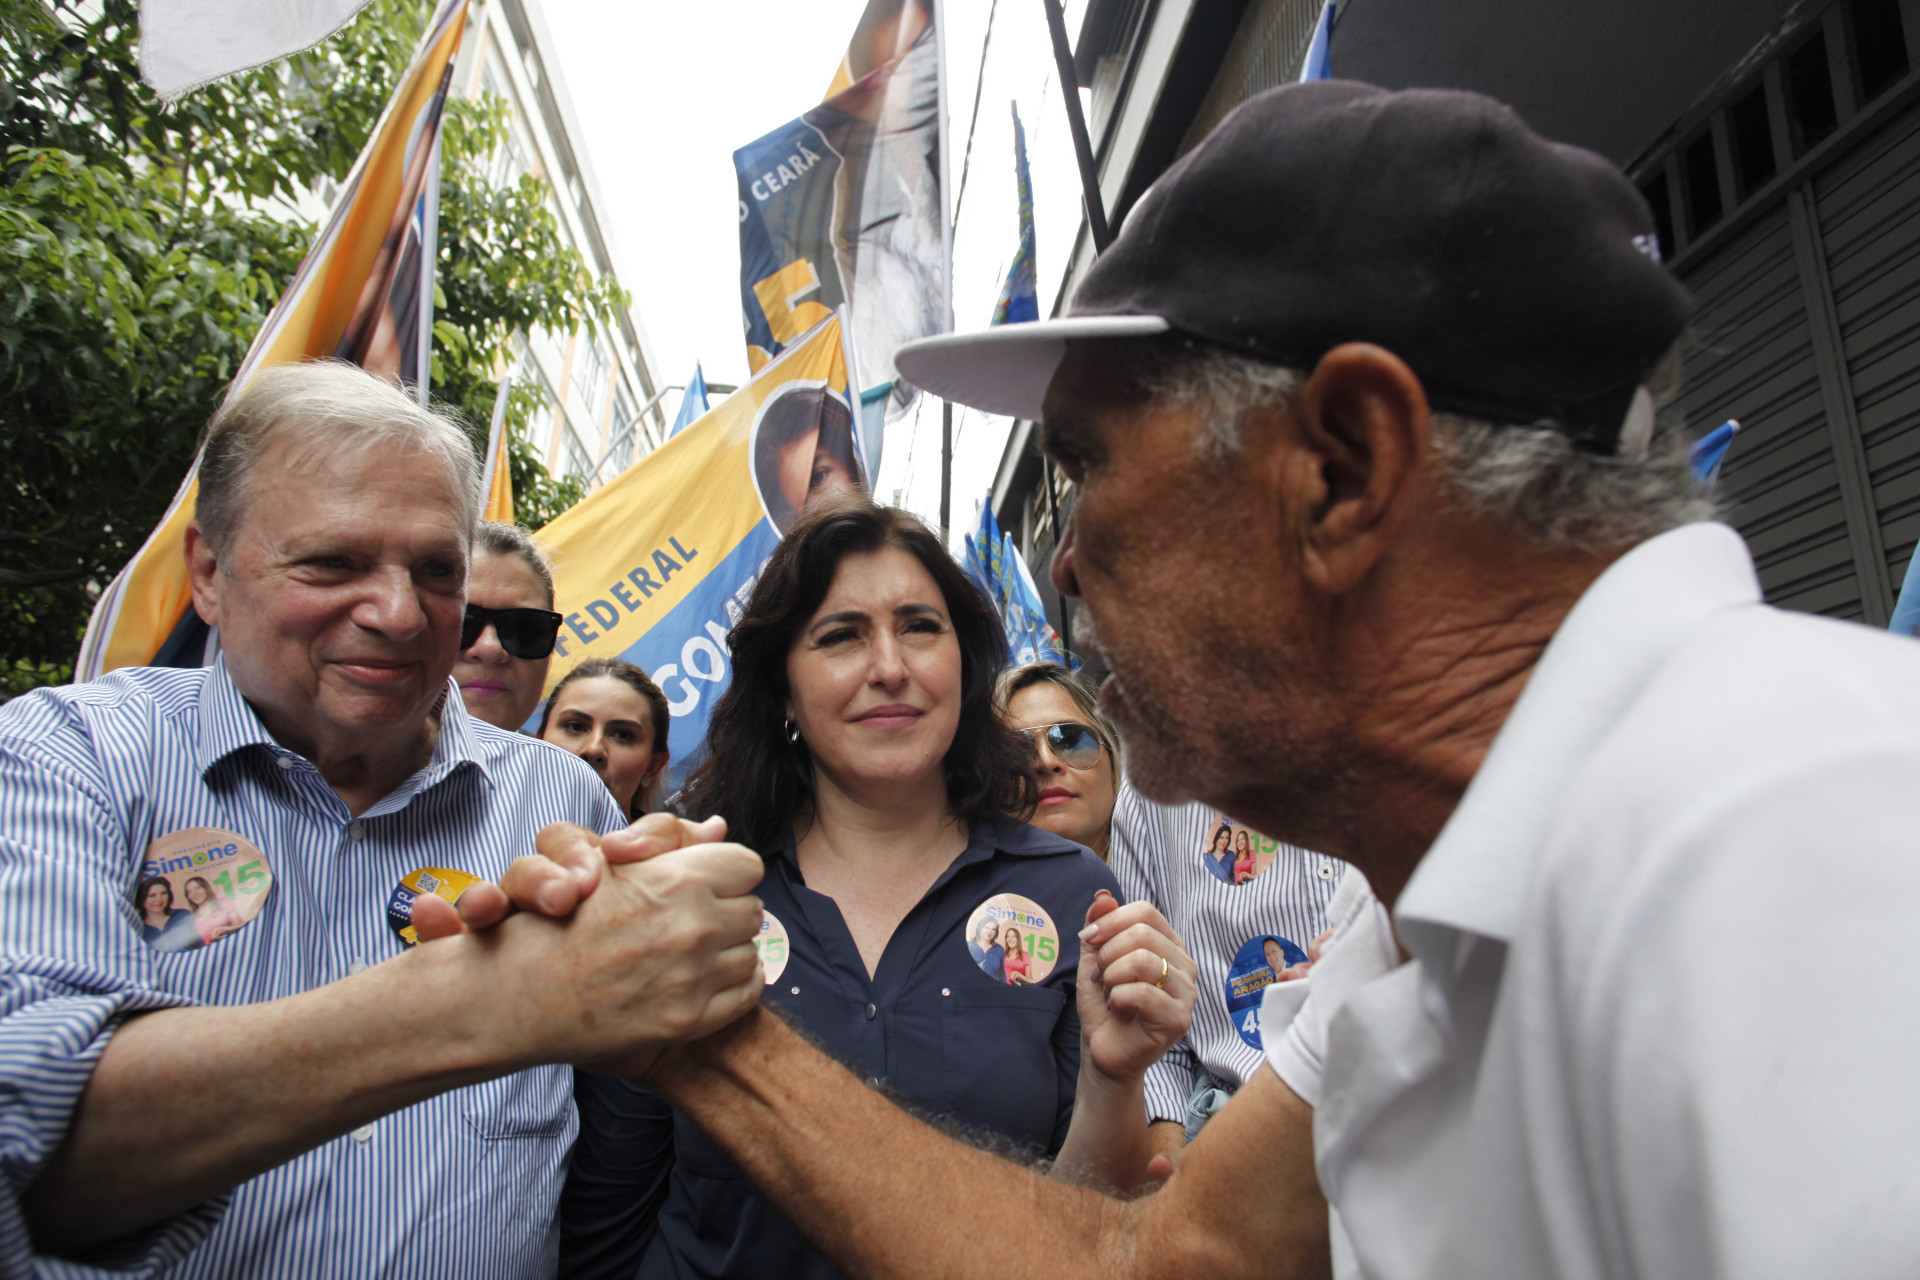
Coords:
pixel 1158 854
pixel 464 1184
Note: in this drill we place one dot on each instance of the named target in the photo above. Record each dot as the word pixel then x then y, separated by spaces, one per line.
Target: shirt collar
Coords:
pixel 228 724
pixel 984 839
pixel 1611 644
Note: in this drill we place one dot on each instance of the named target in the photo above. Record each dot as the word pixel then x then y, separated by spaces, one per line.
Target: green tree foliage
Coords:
pixel 142 244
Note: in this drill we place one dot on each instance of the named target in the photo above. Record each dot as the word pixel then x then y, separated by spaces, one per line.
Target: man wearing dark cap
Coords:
pixel 1376 375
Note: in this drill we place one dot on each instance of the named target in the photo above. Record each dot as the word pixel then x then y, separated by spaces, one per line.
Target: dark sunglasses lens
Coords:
pixel 524 633
pixel 527 633
pixel 1074 744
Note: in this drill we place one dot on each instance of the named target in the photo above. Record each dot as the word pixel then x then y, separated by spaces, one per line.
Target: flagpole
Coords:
pixel 1077 122
pixel 946 244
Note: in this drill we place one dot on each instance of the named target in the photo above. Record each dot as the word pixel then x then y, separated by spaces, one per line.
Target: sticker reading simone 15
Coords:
pixel 1013 940
pixel 197 886
pixel 772 946
pixel 1234 852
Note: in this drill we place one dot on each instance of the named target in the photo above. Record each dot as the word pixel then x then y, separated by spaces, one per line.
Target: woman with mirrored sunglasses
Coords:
pixel 1074 750
pixel 507 640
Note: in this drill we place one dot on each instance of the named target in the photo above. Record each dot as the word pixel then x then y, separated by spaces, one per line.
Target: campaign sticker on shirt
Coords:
pixel 1013 940
pixel 197 886
pixel 772 945
pixel 1257 965
pixel 435 880
pixel 1234 852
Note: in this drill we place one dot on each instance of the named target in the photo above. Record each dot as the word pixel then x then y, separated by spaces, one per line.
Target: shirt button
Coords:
pixel 285 762
pixel 358 966
pixel 873 1082
pixel 871 1011
pixel 1326 871
pixel 795 990
pixel 946 991
pixel 355 830
pixel 363 1135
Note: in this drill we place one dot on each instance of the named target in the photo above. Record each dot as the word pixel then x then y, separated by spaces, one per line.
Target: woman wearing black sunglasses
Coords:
pixel 510 626
pixel 1074 750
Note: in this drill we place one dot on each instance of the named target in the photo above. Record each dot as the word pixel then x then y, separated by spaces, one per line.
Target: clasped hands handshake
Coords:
pixel 627 943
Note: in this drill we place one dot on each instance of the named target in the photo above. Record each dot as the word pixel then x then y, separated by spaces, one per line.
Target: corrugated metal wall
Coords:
pixel 1266 52
pixel 1869 214
pixel 1806 266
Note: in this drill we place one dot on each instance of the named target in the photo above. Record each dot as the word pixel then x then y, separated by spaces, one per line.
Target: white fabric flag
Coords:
pixel 187 43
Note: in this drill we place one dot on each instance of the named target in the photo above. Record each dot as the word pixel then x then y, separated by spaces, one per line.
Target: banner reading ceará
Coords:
pixel 656 566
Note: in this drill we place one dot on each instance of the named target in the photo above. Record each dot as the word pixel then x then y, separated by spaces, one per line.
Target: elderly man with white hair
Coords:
pixel 267 1079
pixel 1374 376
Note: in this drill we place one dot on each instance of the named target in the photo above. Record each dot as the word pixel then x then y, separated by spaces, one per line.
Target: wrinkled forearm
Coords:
pixel 923 1206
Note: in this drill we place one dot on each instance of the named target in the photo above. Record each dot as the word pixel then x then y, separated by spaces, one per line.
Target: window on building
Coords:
pixel 574 459
pixel 1660 200
pixel 1879 43
pixel 1700 174
pixel 1810 104
pixel 626 424
pixel 590 375
pixel 1752 136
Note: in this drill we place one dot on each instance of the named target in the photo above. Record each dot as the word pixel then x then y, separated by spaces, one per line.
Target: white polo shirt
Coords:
pixel 1663 1015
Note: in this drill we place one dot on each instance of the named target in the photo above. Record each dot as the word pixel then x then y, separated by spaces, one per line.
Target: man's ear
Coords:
pixel 1364 424
pixel 203 571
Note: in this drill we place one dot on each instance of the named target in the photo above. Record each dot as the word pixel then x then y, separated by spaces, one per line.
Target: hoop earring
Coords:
pixel 793 732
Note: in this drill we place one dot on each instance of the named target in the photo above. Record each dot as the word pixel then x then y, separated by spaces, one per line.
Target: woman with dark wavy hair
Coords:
pixel 859 749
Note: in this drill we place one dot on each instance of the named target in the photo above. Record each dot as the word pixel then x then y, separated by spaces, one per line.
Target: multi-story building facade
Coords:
pixel 1778 143
pixel 602 412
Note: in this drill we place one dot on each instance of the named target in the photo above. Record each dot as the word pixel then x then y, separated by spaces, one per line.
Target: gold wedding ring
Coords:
pixel 1166 967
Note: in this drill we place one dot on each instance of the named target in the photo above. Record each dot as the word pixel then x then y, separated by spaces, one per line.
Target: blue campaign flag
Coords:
pixel 1018 298
pixel 1906 610
pixel 1318 64
pixel 1030 637
pixel 976 567
pixel 693 405
pixel 1710 450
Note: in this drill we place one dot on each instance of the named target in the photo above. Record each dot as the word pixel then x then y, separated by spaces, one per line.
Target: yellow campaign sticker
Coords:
pixel 773 946
pixel 438 881
pixel 197 886
pixel 1013 940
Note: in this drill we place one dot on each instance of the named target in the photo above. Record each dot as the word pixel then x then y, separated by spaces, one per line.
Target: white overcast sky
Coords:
pixel 665 92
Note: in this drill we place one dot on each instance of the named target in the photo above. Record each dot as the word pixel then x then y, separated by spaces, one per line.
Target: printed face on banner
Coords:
pixel 197 886
pixel 843 206
pixel 656 566
pixel 803 452
pixel 1013 940
pixel 1236 853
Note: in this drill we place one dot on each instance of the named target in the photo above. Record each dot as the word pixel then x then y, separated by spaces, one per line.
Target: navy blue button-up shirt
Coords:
pixel 649 1192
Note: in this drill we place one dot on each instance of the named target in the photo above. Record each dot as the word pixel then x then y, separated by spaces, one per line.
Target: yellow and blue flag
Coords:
pixel 656 566
pixel 843 207
pixel 363 293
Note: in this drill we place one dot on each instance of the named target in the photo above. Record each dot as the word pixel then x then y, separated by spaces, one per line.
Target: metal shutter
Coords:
pixel 1869 215
pixel 1752 358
